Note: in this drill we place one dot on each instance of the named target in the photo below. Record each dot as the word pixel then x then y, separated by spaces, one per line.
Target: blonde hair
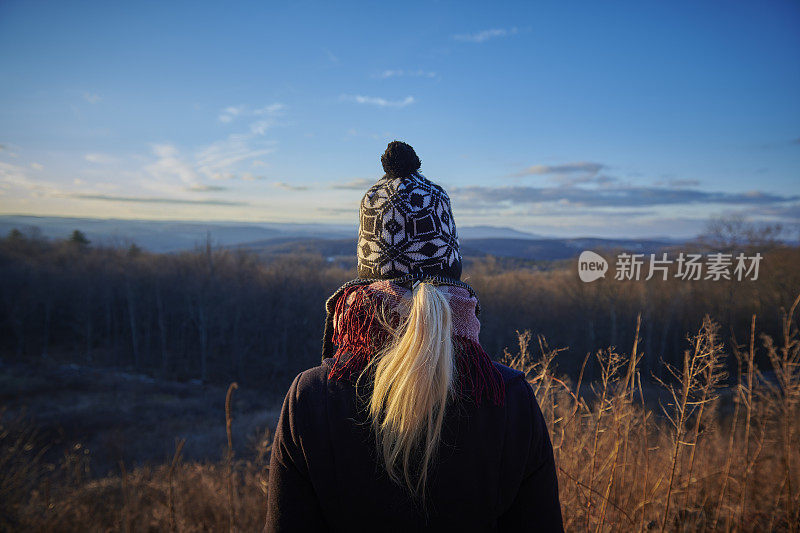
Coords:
pixel 412 383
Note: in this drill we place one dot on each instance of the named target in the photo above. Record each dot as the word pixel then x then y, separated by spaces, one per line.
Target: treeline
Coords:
pixel 584 317
pixel 213 315
pixel 219 314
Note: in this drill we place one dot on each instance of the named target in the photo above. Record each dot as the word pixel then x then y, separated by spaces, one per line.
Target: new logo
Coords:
pixel 591 266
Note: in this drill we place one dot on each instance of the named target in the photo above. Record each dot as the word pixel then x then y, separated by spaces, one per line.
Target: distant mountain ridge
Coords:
pixel 167 236
pixel 495 232
pixel 554 248
pixel 171 236
pixel 526 249
pixel 330 240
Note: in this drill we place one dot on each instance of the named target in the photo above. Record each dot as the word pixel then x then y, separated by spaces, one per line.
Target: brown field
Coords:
pixel 123 359
pixel 710 457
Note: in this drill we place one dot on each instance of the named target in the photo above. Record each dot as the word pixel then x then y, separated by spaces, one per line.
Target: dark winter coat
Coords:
pixel 494 472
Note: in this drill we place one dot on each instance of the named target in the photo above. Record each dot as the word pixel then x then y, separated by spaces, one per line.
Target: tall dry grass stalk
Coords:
pixel 176 459
pixel 229 456
pixel 125 517
pixel 782 397
pixel 701 375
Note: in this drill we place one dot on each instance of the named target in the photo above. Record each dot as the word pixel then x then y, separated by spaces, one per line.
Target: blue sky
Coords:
pixel 592 118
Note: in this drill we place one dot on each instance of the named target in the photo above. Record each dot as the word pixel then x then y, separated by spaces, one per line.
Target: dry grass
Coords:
pixel 142 500
pixel 62 495
pixel 699 452
pixel 177 496
pixel 686 465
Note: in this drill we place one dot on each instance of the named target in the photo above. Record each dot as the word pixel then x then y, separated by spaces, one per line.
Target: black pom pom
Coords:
pixel 400 160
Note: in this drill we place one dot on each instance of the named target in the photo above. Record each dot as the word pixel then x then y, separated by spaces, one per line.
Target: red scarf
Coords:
pixel 359 334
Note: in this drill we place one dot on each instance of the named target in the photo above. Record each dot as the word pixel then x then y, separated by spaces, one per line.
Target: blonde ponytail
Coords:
pixel 413 380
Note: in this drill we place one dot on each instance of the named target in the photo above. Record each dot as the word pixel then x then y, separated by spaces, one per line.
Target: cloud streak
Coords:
pixel 378 101
pixel 330 55
pixel 219 160
pixel 92 98
pixel 289 187
pixel 99 159
pixel 678 183
pixel 169 165
pixel 788 211
pixel 620 196
pixel 583 167
pixel 485 35
pixel 400 73
pixel 356 184
pixel 15 177
pixel 231 113
pixel 155 200
pixel 205 188
pixel 225 159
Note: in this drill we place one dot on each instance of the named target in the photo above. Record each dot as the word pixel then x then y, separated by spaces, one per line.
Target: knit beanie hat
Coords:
pixel 406 226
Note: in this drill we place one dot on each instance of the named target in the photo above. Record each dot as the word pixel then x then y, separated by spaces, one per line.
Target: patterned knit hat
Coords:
pixel 405 224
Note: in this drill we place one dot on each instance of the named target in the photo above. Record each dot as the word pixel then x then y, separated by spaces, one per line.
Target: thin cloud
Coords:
pixel 335 210
pixel 223 160
pixel 206 188
pixel 16 177
pixel 356 184
pixel 568 180
pixel 170 165
pixel 567 168
pixel 289 186
pixel 230 113
pixel 155 200
pixel 623 196
pixel 99 159
pixel 219 160
pixel 485 35
pixel 379 102
pixel 271 109
pixel 226 159
pixel 92 98
pixel 330 55
pixel 9 150
pixel 678 183
pixel 399 73
pixel 260 127
pixel 37 166
pixel 789 211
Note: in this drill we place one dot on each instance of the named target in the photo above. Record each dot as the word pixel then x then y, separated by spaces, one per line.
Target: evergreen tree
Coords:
pixel 79 238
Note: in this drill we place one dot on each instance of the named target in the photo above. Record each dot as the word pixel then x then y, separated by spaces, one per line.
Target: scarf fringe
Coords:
pixel 359 335
pixel 476 375
pixel 357 332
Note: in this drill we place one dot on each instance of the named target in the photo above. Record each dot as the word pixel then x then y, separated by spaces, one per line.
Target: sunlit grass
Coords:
pixel 701 451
